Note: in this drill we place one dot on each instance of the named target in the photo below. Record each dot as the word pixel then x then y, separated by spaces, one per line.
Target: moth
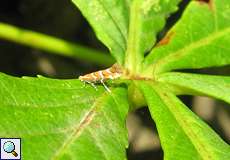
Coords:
pixel 101 76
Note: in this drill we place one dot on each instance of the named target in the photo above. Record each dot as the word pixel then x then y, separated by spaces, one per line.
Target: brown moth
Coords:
pixel 102 75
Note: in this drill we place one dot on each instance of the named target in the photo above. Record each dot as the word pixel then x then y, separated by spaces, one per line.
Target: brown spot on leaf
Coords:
pixel 164 94
pixel 165 40
pixel 206 2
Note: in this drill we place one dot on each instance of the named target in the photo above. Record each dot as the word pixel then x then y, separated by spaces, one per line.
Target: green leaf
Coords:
pixel 198 40
pixel 197 84
pixel 63 119
pixel 109 20
pixel 183 135
pixel 147 18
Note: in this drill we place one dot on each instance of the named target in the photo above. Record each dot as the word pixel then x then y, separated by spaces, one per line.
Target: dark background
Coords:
pixel 62 19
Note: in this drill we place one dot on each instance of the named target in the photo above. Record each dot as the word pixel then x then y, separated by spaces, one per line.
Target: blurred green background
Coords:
pixel 60 18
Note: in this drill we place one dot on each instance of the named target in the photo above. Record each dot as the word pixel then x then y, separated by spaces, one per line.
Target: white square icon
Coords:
pixel 10 148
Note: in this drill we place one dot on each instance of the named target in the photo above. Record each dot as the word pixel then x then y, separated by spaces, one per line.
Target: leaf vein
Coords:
pixel 185 51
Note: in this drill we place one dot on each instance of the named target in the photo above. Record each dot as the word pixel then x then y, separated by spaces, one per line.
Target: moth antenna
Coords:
pixel 105 86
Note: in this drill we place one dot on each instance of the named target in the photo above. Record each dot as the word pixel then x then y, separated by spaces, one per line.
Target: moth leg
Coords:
pixel 84 83
pixel 105 86
pixel 93 85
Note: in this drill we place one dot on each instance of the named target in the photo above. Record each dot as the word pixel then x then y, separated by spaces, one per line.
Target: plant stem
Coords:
pixel 53 45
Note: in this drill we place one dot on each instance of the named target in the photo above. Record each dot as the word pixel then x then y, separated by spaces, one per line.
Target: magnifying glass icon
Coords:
pixel 9 147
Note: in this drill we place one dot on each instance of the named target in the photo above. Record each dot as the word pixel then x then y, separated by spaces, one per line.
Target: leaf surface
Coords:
pixel 197 84
pixel 63 119
pixel 183 135
pixel 109 20
pixel 147 18
pixel 198 40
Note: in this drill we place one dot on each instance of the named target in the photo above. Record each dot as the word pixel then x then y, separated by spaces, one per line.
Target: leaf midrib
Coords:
pixel 132 47
pixel 198 145
pixel 85 121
